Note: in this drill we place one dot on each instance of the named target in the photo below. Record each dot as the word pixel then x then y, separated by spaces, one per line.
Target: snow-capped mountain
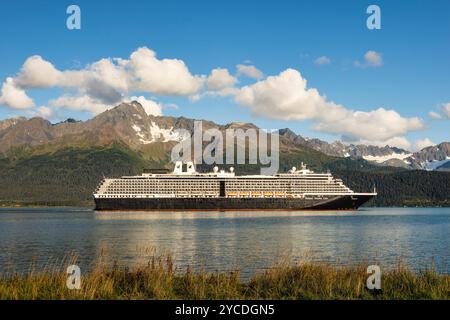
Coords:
pixel 430 158
pixel 129 123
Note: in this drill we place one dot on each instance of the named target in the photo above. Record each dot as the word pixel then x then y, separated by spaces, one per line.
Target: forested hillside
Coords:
pixel 65 177
pixel 61 164
pixel 69 176
pixel 406 188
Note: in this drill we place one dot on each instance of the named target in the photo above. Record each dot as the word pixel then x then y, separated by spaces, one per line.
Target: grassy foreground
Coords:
pixel 161 280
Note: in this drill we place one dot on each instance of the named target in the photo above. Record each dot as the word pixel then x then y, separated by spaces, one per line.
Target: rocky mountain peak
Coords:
pixel 432 157
pixel 288 133
pixel 130 124
pixel 4 124
pixel 124 110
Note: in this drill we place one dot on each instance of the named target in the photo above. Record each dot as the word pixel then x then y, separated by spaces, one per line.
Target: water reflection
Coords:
pixel 248 241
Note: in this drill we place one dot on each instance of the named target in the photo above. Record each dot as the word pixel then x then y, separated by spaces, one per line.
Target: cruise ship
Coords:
pixel 187 189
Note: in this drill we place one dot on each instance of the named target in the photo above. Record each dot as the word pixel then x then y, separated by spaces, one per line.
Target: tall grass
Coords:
pixel 160 279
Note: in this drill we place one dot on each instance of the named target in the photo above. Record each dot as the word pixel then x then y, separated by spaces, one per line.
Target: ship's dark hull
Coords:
pixel 350 202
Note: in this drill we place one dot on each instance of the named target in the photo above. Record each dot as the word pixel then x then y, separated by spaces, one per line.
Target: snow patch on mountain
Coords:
pixel 136 128
pixel 381 159
pixel 433 165
pixel 155 133
pixel 165 135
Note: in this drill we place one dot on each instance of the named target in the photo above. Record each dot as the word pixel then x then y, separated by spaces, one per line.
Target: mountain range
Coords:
pixel 156 135
pixel 61 163
pixel 430 158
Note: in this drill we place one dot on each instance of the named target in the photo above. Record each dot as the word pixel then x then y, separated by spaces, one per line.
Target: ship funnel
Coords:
pixel 178 167
pixel 190 168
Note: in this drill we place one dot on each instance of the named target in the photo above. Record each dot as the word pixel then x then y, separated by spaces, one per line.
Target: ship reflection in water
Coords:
pixel 223 241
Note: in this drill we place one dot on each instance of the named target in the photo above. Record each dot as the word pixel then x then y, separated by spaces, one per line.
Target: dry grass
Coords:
pixel 159 279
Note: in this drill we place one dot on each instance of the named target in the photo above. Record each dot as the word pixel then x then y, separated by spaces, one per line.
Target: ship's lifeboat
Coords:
pixel 256 194
pixel 268 194
pixel 232 194
pixel 280 194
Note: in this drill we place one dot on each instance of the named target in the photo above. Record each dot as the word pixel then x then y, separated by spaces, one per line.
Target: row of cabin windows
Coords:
pixel 251 181
pixel 274 184
pixel 215 191
pixel 232 186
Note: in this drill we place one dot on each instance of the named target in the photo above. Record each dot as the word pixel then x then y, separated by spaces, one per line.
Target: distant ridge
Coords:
pixel 156 135
pixel 61 164
pixel 429 158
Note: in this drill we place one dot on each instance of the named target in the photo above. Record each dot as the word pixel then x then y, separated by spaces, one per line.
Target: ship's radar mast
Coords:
pixel 304 170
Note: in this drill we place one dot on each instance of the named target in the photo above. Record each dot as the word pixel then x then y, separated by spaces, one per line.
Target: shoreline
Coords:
pixel 161 280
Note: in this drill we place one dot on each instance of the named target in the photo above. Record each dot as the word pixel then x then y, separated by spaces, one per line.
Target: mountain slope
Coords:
pixel 406 188
pixel 67 176
pixel 429 158
pixel 61 164
pixel 156 135
pixel 153 137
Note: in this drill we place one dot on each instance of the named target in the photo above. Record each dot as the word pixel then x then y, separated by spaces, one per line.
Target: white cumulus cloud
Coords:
pixel 102 83
pixel 151 107
pixel 434 115
pixel 38 73
pixel 283 97
pixel 399 142
pixel 423 143
pixel 287 97
pixel 220 79
pixel 249 71
pixel 378 125
pixel 166 76
pixel 80 103
pixel 371 59
pixel 13 96
pixel 45 112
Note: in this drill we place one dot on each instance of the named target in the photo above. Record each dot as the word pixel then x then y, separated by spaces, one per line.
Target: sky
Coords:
pixel 312 66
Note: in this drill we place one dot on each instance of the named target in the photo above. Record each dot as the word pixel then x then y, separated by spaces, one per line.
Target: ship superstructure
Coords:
pixel 187 189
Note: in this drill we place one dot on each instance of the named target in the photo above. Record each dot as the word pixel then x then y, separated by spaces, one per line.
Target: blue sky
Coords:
pixel 413 45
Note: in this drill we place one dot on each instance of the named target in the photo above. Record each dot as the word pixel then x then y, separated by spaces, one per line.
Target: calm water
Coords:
pixel 225 241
